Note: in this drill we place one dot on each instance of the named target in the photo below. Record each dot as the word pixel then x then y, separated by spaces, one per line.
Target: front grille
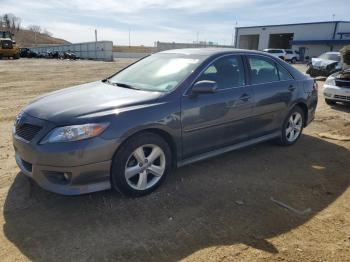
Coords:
pixel 342 97
pixel 27 131
pixel 6 44
pixel 342 83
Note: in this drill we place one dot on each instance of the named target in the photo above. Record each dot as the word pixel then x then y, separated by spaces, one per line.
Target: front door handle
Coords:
pixel 291 88
pixel 245 97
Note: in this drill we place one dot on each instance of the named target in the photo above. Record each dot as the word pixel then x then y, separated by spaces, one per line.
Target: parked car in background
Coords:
pixel 284 54
pixel 326 64
pixel 69 55
pixel 337 88
pixel 292 56
pixel 169 109
pixel 26 52
pixel 279 53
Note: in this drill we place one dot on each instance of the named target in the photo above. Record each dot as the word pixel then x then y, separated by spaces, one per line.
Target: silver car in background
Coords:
pixel 337 88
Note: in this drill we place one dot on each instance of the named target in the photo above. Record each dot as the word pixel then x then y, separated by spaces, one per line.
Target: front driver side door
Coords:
pixel 213 120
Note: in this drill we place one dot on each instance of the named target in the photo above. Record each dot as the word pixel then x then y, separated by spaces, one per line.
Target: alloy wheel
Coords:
pixel 145 167
pixel 294 127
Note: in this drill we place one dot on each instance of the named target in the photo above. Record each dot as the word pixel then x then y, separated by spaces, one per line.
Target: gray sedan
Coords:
pixel 169 109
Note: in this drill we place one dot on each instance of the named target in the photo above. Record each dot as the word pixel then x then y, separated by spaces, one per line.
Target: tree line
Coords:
pixel 12 23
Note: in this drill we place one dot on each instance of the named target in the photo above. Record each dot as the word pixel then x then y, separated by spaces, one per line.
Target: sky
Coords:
pixel 166 20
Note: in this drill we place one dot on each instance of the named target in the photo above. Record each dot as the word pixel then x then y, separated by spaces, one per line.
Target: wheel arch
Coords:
pixel 304 107
pixel 160 132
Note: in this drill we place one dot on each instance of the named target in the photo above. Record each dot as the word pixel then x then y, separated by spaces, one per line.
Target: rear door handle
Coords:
pixel 291 88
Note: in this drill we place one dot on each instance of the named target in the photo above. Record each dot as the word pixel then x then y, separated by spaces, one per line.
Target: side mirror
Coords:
pixel 204 87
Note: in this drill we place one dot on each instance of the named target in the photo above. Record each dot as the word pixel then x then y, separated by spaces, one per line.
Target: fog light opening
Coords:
pixel 59 177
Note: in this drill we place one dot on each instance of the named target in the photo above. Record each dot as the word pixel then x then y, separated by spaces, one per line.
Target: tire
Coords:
pixel 330 102
pixel 287 138
pixel 294 60
pixel 146 173
pixel 16 57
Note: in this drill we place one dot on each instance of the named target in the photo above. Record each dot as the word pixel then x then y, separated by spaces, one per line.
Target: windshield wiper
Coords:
pixel 119 84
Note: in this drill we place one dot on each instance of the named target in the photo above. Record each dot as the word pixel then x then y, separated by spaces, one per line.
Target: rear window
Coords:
pixel 283 73
pixel 262 70
pixel 289 52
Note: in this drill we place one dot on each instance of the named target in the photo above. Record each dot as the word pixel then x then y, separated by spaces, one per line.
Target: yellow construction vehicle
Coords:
pixel 8 46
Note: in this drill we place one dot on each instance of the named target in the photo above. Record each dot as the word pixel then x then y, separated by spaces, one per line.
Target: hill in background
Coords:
pixel 26 38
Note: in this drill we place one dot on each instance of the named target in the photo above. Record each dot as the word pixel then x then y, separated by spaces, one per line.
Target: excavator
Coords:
pixel 8 47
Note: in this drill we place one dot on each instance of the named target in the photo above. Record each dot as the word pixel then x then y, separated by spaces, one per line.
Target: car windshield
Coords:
pixel 328 56
pixel 158 72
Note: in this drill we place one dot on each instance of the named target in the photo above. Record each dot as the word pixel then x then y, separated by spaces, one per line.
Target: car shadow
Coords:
pixel 222 201
pixel 343 107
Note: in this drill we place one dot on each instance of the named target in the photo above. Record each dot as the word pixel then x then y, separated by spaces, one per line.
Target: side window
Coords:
pixel 262 70
pixel 227 72
pixel 283 73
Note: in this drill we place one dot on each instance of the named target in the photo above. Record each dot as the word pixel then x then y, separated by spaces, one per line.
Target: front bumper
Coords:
pixel 70 168
pixel 341 94
pixel 314 72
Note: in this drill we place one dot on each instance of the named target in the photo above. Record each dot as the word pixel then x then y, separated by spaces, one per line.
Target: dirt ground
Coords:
pixel 215 210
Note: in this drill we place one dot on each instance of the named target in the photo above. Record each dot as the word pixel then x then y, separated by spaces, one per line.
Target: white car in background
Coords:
pixel 337 88
pixel 285 54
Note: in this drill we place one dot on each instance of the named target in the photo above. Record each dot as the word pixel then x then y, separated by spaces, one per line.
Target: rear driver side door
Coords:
pixel 274 90
pixel 211 121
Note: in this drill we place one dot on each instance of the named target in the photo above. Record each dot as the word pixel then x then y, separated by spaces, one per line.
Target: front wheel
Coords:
pixel 292 127
pixel 294 60
pixel 141 164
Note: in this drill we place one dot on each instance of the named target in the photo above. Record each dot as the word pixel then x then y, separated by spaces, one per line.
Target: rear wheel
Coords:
pixel 294 60
pixel 141 164
pixel 330 102
pixel 292 127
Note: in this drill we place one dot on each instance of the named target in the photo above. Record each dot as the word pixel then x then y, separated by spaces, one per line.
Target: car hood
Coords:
pixel 88 99
pixel 322 63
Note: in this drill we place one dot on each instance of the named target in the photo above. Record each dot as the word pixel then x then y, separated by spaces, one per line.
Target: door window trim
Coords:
pixel 267 58
pixel 241 55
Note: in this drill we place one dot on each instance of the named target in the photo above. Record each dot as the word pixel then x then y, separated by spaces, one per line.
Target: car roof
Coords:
pixel 210 51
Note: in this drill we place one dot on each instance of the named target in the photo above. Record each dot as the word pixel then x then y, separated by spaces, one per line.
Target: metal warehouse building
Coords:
pixel 310 39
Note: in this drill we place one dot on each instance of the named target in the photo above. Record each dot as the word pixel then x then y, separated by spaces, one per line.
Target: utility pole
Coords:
pixel 234 35
pixel 333 17
pixel 95 43
pixel 129 38
pixel 197 37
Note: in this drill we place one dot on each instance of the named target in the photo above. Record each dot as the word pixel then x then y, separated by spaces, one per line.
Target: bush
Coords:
pixel 345 52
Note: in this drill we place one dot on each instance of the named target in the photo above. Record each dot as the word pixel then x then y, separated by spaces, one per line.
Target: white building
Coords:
pixel 310 39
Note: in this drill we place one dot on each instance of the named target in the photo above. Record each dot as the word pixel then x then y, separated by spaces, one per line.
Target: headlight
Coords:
pixel 330 81
pixel 74 133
